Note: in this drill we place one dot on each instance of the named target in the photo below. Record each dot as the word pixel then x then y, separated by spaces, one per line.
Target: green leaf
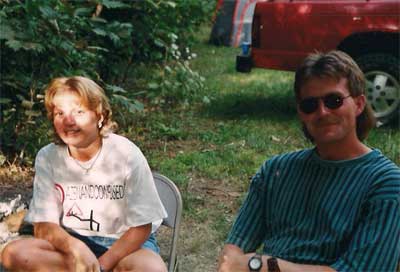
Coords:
pixel 153 86
pixel 20 97
pixel 115 89
pixel 27 104
pixel 151 2
pixel 138 106
pixel 157 55
pixel 159 42
pixel 97 48
pixel 66 45
pixel 206 100
pixel 55 25
pixel 48 12
pixel 5 100
pixel 114 38
pixel 124 32
pixel 6 33
pixel 2 159
pixel 171 4
pixel 167 83
pixel 14 44
pixel 114 4
pixel 13 83
pixel 99 32
pixel 120 98
pixel 33 113
pixel 17 45
pixel 83 12
pixel 172 36
pixel 98 20
pixel 33 46
pixel 168 69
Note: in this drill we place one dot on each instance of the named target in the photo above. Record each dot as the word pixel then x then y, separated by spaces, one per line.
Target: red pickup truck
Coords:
pixel 285 31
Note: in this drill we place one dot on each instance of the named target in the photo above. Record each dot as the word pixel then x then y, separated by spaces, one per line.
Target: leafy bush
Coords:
pixel 41 40
pixel 156 20
pixel 175 81
pixel 102 39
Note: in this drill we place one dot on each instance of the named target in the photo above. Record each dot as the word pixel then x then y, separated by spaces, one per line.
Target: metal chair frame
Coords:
pixel 172 201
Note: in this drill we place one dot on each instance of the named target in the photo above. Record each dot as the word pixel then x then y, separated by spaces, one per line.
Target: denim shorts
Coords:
pixel 99 245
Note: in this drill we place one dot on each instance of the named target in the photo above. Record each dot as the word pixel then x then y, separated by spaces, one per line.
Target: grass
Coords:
pixel 250 118
pixel 211 150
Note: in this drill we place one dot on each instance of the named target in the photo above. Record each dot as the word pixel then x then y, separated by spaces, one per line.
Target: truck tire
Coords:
pixel 382 74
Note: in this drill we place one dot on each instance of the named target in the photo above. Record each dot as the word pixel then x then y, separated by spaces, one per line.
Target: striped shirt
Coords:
pixel 345 214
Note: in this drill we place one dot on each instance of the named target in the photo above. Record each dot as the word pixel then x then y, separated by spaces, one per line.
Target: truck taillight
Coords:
pixel 255 32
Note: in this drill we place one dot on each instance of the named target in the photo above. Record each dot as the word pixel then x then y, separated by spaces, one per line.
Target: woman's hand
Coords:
pixel 78 256
pixel 81 258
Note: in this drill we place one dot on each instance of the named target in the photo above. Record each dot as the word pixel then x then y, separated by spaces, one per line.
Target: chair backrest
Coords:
pixel 172 201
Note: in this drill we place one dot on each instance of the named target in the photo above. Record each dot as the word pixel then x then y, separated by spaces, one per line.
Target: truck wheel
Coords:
pixel 382 74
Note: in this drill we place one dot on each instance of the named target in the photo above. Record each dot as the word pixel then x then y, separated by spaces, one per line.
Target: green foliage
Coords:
pixel 43 40
pixel 158 19
pixel 175 81
pixel 102 39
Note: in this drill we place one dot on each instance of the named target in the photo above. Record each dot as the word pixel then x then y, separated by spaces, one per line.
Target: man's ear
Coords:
pixel 360 101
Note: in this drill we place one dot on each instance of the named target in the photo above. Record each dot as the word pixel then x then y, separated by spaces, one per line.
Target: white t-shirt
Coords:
pixel 117 193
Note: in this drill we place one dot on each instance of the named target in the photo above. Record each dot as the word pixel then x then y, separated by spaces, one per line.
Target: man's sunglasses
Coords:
pixel 331 101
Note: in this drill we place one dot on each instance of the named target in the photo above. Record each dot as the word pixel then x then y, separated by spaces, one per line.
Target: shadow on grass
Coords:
pixel 393 124
pixel 253 106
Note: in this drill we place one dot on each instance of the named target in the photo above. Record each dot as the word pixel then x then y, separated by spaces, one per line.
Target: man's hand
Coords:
pixel 230 263
pixel 233 259
pixel 81 258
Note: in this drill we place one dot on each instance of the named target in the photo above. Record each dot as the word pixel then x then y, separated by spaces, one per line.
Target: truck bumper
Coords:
pixel 244 63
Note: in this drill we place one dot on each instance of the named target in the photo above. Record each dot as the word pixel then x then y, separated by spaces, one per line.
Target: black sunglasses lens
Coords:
pixel 309 105
pixel 333 101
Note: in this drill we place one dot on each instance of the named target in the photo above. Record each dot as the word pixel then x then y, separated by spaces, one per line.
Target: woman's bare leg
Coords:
pixel 32 255
pixel 142 260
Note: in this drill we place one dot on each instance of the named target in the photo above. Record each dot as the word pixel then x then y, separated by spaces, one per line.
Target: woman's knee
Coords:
pixel 143 260
pixel 17 253
pixel 141 267
pixel 11 254
pixel 154 266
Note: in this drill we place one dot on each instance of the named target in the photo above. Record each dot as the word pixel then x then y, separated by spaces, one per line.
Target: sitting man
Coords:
pixel 334 207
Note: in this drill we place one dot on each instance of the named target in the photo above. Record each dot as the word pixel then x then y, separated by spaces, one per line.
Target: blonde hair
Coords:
pixel 92 95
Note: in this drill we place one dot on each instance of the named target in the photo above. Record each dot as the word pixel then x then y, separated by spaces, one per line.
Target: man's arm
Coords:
pixel 78 256
pixel 232 258
pixel 129 242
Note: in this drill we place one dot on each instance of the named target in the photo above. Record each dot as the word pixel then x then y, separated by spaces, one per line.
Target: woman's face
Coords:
pixel 74 123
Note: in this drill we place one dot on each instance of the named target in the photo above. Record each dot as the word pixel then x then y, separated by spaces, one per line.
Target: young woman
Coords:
pixel 94 199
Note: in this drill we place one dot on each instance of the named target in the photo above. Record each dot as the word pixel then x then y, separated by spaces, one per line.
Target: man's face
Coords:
pixel 331 118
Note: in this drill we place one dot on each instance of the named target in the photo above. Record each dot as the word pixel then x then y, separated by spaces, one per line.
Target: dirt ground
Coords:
pixel 198 245
pixel 15 180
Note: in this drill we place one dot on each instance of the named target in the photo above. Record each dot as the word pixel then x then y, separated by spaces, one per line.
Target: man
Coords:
pixel 335 207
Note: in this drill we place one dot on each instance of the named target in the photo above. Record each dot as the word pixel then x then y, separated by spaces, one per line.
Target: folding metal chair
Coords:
pixel 172 201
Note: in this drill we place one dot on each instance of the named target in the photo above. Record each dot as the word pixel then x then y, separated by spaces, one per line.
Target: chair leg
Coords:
pixel 176 265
